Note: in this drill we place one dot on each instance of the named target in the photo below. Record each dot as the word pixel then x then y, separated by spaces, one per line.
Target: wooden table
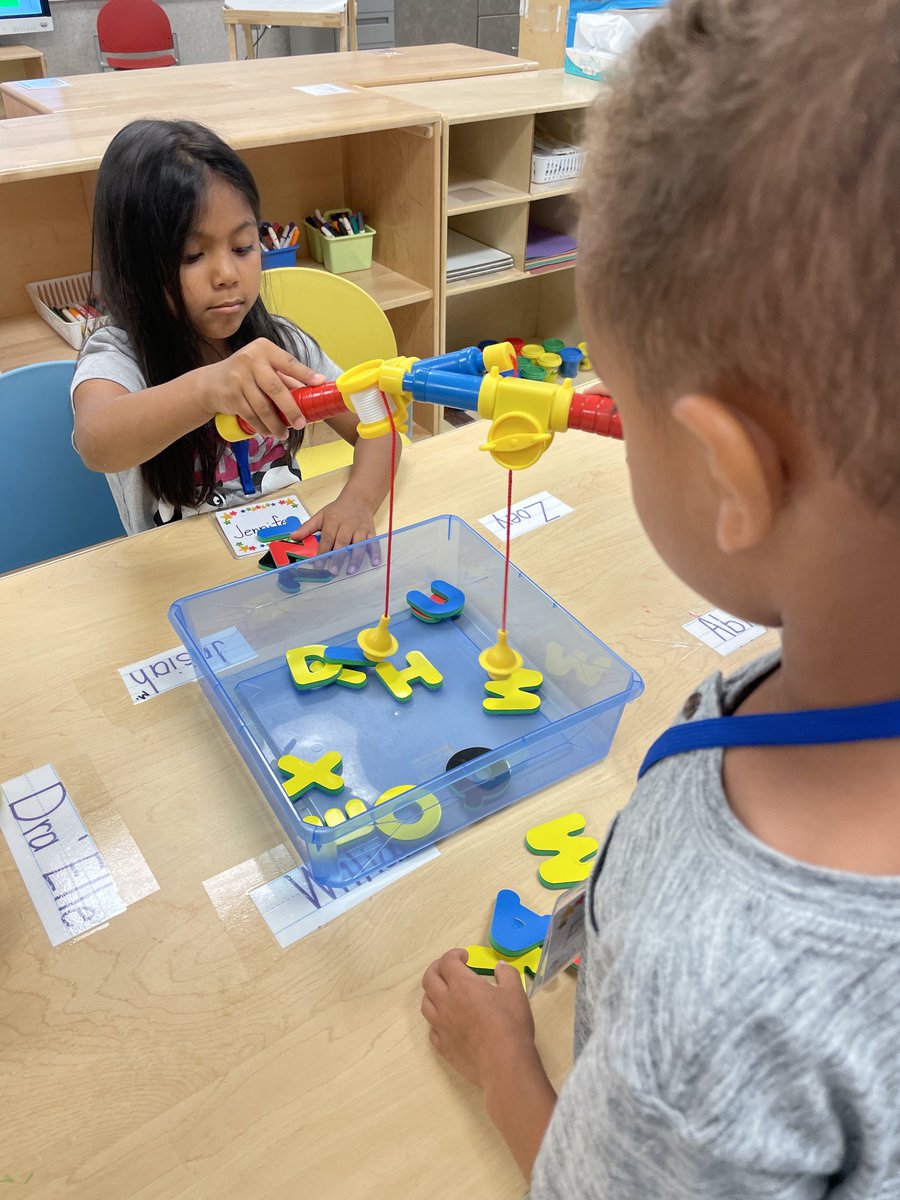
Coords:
pixel 248 13
pixel 265 82
pixel 177 1051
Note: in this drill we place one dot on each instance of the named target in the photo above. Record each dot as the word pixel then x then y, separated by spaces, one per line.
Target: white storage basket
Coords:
pixel 48 294
pixel 553 160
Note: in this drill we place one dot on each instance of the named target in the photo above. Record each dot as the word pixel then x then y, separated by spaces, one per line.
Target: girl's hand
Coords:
pixel 254 383
pixel 477 1025
pixel 343 522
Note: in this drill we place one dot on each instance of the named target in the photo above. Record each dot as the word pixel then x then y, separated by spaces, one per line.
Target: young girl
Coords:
pixel 176 220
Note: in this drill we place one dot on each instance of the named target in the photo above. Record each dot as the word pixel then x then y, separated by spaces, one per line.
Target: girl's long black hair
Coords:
pixel 150 190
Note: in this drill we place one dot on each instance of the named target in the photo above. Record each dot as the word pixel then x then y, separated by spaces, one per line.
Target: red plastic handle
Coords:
pixel 316 404
pixel 595 412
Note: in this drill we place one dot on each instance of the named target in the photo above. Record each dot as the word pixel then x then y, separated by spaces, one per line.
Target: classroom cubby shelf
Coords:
pixel 489 129
pixel 356 147
pixel 565 187
pixel 390 288
pixel 418 158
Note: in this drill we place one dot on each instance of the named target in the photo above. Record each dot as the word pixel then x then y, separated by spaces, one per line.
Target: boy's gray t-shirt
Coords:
pixel 108 354
pixel 737 1029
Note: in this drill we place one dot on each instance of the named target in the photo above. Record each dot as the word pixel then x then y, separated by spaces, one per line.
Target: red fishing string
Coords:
pixel 506 564
pixel 390 536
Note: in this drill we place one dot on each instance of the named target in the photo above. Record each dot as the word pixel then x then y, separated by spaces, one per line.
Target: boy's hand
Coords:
pixel 255 384
pixel 343 522
pixel 478 1026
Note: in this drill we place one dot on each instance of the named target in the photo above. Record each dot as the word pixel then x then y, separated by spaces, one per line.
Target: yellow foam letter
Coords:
pixel 419 670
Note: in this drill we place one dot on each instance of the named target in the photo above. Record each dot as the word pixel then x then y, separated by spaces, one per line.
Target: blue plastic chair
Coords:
pixel 56 504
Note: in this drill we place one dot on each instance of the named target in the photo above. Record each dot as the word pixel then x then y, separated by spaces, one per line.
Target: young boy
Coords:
pixel 738 1019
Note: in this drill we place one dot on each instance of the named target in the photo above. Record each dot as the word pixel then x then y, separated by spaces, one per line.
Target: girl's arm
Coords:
pixel 116 429
pixel 351 517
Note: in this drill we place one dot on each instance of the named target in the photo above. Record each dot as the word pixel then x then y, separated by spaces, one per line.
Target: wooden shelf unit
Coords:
pixel 530 307
pixel 564 187
pixel 489 135
pixel 303 162
pixel 464 287
pixel 19 63
pixel 475 194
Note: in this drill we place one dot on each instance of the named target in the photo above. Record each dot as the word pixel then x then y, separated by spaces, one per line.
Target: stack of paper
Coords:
pixel 467 259
pixel 546 248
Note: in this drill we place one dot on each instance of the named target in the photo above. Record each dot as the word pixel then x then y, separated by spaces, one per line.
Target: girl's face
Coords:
pixel 220 265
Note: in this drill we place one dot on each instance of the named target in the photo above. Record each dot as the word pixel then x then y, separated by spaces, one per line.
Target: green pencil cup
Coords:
pixel 341 255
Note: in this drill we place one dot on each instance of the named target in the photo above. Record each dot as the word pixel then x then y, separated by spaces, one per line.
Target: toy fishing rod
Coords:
pixel 525 414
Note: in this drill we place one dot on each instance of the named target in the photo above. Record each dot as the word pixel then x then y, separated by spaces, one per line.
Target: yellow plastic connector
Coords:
pixel 390 382
pixel 501 355
pixel 364 388
pixel 524 416
pixel 229 430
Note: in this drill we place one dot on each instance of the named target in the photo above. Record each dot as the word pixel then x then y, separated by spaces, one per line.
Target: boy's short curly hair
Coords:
pixel 741 216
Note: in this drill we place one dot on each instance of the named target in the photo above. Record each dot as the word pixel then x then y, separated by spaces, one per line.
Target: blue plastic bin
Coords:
pixel 285 257
pixel 385 743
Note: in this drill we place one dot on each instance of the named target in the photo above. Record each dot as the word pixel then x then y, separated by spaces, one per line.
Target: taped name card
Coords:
pixel 296 903
pixel 526 515
pixel 240 525
pixel 161 672
pixel 722 632
pixel 64 872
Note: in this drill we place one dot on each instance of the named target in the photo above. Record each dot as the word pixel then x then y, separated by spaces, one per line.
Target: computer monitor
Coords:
pixel 25 16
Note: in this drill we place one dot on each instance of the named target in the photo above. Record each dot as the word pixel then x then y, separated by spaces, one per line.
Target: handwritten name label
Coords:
pixel 240 525
pixel 526 515
pixel 295 904
pixel 63 870
pixel 722 632
pixel 161 672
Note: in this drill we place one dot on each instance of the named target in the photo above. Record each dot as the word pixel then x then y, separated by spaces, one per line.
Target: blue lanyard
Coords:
pixel 242 455
pixel 815 727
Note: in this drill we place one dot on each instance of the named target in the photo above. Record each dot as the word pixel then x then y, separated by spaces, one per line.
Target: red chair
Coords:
pixel 133 34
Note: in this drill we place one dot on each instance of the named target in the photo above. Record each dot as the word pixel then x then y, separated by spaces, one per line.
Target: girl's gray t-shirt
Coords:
pixel 737 1028
pixel 108 354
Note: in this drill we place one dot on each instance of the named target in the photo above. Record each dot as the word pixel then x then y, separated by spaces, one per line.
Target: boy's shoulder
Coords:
pixel 680 803
pixel 713 956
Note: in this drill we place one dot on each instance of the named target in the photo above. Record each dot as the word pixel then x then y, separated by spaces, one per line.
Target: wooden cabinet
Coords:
pixel 20 62
pixel 489 134
pixel 377 153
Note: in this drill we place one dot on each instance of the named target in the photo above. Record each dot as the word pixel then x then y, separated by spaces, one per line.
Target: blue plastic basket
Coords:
pixel 385 743
pixel 285 257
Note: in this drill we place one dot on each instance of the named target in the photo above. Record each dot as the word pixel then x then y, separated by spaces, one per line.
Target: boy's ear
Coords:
pixel 744 468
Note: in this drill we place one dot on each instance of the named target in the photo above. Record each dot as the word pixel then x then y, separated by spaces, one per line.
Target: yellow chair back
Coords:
pixel 349 326
pixel 346 322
